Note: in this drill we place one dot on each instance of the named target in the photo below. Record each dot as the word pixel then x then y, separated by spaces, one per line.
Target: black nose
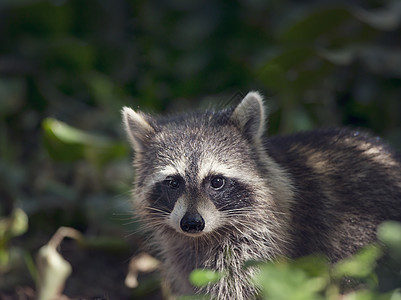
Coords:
pixel 192 223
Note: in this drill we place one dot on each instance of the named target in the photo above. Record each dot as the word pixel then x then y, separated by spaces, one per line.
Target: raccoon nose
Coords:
pixel 192 222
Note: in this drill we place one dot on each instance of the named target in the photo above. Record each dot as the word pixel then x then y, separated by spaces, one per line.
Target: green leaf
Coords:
pixel 14 225
pixel 284 280
pixel 66 143
pixel 361 265
pixel 389 233
pixel 360 295
pixel 313 265
pixel 200 277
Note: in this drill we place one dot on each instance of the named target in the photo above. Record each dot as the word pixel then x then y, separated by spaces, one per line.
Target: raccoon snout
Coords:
pixel 192 222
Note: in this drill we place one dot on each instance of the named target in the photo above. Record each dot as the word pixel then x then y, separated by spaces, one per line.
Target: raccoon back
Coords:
pixel 346 183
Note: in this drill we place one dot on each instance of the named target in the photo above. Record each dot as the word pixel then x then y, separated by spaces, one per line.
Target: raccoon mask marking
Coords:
pixel 215 193
pixel 194 169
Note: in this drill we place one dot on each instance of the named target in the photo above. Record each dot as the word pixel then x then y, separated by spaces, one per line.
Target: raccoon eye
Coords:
pixel 172 183
pixel 217 182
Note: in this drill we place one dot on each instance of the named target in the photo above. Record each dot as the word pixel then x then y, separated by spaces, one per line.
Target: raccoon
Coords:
pixel 215 193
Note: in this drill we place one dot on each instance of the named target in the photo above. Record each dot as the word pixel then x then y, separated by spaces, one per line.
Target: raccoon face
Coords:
pixel 195 173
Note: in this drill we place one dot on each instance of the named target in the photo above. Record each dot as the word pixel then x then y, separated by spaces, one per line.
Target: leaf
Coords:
pixel 53 269
pixel 313 265
pixel 200 277
pixel 66 143
pixel 283 280
pixel 361 265
pixel 143 262
pixel 53 272
pixel 360 295
pixel 14 225
pixel 389 233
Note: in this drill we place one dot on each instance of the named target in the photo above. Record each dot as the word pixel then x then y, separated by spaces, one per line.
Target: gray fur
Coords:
pixel 314 192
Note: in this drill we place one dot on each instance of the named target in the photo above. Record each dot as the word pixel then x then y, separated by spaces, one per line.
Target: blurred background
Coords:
pixel 68 66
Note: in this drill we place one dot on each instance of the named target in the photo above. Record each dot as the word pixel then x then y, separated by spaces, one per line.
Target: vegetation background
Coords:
pixel 68 66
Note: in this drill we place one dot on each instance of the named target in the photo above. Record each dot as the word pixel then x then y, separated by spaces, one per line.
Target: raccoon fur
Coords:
pixel 215 193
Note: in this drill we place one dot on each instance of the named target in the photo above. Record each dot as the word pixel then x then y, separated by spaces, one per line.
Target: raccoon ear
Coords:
pixel 137 128
pixel 250 115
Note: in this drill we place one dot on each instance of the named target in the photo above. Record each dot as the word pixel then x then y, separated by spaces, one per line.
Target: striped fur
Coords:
pixel 323 191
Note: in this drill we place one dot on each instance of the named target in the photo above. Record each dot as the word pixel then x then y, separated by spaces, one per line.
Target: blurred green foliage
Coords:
pixel 201 277
pixel 65 143
pixel 312 278
pixel 67 67
pixel 13 225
